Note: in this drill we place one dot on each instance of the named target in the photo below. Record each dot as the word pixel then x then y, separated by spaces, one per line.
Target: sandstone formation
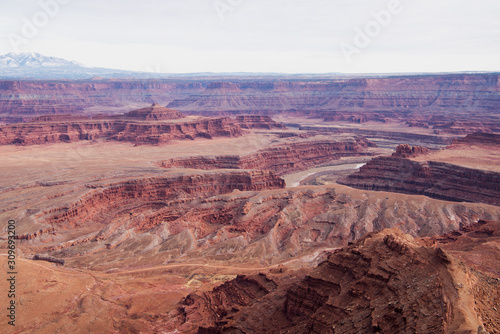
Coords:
pixel 224 301
pixel 153 192
pixel 475 245
pixel 479 138
pixel 389 134
pixel 67 97
pixel 387 282
pixel 361 99
pixel 258 122
pixel 145 126
pixel 59 118
pixel 176 220
pixel 407 151
pixel 434 179
pixel 455 103
pixel 151 125
pixel 281 159
pixel 154 113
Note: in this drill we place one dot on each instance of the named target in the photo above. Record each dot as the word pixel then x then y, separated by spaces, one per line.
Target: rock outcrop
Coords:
pixel 476 245
pixel 155 192
pixel 407 151
pixel 155 112
pixel 176 220
pixel 31 98
pixel 147 131
pixel 281 159
pixel 387 282
pixel 434 179
pixel 258 122
pixel 223 301
pixel 453 103
pixel 479 138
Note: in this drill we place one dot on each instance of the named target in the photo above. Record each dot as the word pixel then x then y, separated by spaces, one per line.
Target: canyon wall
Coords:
pixel 282 159
pixel 407 151
pixel 39 132
pixel 151 191
pixel 63 96
pixel 175 219
pixel 433 179
pixel 479 138
pixel 447 103
pixel 387 282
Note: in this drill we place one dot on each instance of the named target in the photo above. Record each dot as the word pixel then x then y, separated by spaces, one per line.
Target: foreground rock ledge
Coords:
pixel 387 282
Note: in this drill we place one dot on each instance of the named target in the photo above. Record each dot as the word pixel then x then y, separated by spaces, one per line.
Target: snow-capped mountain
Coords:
pixel 36 66
pixel 15 60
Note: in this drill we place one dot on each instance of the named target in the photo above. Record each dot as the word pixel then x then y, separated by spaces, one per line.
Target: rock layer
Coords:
pixel 154 113
pixel 454 103
pixel 258 122
pixel 281 159
pixel 407 151
pixel 387 282
pixel 141 132
pixel 434 179
pixel 479 138
pixel 151 191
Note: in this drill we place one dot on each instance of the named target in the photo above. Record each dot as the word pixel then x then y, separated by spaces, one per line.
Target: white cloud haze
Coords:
pixel 294 36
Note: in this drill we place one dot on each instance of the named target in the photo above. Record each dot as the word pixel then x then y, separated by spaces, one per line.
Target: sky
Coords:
pixel 287 36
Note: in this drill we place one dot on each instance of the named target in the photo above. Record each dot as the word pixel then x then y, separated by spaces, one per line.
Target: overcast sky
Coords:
pixel 293 36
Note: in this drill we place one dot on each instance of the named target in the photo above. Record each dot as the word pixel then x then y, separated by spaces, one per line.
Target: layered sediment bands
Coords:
pixel 434 179
pixel 458 98
pixel 161 133
pixel 282 159
pixel 381 134
pixel 387 282
pixel 477 245
pixel 167 223
pixel 154 113
pixel 207 309
pixel 115 129
pixel 114 198
pixel 63 97
pixel 390 283
pixel 258 122
pixel 59 118
pixel 407 151
pixel 479 138
pixel 359 98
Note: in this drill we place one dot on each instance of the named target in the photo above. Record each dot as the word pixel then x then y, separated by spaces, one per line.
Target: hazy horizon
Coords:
pixel 228 36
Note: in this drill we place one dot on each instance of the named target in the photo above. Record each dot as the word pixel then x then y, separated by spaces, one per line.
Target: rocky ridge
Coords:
pixel 479 138
pixel 407 151
pixel 151 125
pixel 386 282
pixel 174 219
pixel 465 102
pixel 434 179
pixel 282 159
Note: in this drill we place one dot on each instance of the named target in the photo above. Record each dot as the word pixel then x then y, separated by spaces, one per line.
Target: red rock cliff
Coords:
pixel 282 159
pixel 117 129
pixel 434 179
pixel 106 198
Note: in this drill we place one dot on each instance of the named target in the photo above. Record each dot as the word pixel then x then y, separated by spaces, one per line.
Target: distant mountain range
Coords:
pixel 33 66
pixel 37 66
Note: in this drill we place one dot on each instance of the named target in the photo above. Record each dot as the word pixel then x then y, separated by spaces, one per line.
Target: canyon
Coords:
pixel 153 125
pixel 340 204
pixel 282 159
pixel 431 174
pixel 385 282
pixel 453 103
